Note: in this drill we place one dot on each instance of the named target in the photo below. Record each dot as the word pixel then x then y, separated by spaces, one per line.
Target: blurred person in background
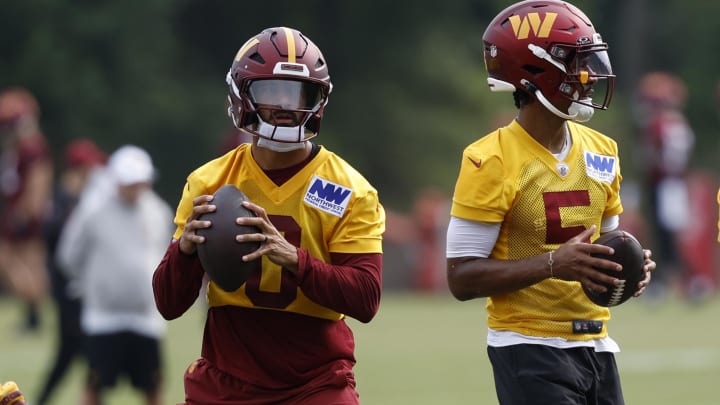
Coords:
pixel 112 247
pixel 667 144
pixel 282 337
pixel 419 238
pixel 26 179
pixel 530 198
pixel 82 160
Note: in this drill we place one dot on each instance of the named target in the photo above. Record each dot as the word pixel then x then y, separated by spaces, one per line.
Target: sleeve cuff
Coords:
pixel 184 261
pixel 303 263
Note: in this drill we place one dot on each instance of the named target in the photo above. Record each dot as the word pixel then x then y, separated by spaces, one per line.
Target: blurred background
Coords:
pixel 409 94
pixel 409 83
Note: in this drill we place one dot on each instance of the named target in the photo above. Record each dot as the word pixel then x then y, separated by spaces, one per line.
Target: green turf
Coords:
pixel 431 350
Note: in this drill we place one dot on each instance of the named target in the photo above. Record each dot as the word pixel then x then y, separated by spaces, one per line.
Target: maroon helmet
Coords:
pixel 279 86
pixel 549 49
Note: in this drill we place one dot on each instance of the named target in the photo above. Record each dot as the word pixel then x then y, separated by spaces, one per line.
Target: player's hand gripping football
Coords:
pixel 572 261
pixel 648 269
pixel 189 239
pixel 273 243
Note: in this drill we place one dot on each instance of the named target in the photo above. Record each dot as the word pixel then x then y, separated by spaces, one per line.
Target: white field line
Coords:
pixel 676 359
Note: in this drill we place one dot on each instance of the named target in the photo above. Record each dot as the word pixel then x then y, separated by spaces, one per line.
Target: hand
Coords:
pixel 189 239
pixel 572 261
pixel 274 245
pixel 647 268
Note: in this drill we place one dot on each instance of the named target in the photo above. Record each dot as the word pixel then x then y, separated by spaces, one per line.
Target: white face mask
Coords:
pixel 581 112
pixel 576 112
pixel 289 134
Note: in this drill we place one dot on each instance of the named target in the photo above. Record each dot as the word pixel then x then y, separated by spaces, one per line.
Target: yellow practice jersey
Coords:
pixel 509 177
pixel 326 207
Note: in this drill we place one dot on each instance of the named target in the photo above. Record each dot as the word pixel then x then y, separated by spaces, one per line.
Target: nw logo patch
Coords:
pixel 327 196
pixel 600 167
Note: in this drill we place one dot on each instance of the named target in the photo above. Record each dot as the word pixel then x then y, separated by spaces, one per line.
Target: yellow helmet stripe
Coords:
pixel 249 44
pixel 291 45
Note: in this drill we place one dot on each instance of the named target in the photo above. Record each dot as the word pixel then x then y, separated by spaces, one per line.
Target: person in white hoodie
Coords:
pixel 110 248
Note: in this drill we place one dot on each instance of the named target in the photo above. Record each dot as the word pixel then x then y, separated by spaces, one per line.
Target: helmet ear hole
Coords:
pixel 257 58
pixel 533 70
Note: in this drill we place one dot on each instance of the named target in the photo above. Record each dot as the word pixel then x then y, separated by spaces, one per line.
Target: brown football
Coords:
pixel 628 253
pixel 221 255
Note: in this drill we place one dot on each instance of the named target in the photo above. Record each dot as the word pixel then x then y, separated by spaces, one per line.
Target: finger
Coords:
pixel 254 237
pixel 594 286
pixel 585 235
pixel 643 283
pixel 193 238
pixel 256 254
pixel 599 263
pixel 649 265
pixel 203 209
pixel 197 224
pixel 601 278
pixel 198 210
pixel 258 210
pixel 202 199
pixel 259 222
pixel 594 249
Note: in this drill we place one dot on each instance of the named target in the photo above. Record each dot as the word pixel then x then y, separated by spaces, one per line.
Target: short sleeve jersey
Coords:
pixel 326 207
pixel 510 178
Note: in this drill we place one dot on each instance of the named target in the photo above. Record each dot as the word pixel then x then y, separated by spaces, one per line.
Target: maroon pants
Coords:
pixel 206 385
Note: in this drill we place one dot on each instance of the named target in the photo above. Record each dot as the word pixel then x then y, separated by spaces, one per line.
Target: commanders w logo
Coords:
pixel 523 25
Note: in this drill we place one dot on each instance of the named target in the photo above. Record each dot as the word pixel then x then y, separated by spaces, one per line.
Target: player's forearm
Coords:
pixel 176 282
pixel 477 277
pixel 351 285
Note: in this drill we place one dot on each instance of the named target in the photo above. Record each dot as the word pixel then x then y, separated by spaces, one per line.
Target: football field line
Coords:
pixel 677 359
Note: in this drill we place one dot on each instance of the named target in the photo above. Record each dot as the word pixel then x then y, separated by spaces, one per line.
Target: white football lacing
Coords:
pixel 617 294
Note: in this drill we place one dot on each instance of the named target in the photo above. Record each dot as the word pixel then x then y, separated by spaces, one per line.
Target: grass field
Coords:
pixel 428 350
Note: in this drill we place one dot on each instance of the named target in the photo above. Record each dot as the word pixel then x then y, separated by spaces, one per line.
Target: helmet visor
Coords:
pixel 591 70
pixel 292 95
pixel 593 63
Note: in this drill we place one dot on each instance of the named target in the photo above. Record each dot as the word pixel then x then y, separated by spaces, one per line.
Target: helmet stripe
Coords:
pixel 249 44
pixel 290 38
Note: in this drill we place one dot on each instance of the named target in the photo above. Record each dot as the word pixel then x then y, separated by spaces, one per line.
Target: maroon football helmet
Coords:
pixel 279 86
pixel 549 49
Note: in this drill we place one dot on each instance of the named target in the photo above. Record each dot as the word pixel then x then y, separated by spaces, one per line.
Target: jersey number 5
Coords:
pixel 554 231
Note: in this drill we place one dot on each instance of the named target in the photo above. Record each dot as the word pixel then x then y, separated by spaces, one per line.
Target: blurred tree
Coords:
pixel 409 81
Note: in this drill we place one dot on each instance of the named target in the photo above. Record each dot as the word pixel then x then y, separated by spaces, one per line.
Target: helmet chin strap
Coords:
pixel 581 112
pixel 576 112
pixel 288 134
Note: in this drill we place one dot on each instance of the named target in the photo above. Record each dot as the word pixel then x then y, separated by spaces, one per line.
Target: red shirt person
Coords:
pixel 26 175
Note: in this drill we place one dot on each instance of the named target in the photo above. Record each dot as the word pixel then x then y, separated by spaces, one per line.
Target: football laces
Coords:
pixel 617 294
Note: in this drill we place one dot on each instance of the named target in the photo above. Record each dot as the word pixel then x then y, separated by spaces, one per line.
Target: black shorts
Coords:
pixel 537 374
pixel 124 354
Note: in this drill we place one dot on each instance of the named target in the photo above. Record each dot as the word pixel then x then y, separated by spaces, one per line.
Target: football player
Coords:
pixel 281 337
pixel 26 181
pixel 528 200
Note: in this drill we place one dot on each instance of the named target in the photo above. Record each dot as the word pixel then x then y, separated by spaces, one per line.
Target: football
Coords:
pixel 629 253
pixel 220 254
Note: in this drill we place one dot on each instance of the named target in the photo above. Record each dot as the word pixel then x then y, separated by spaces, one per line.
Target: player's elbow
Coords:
pixel 460 294
pixel 370 307
pixel 458 285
